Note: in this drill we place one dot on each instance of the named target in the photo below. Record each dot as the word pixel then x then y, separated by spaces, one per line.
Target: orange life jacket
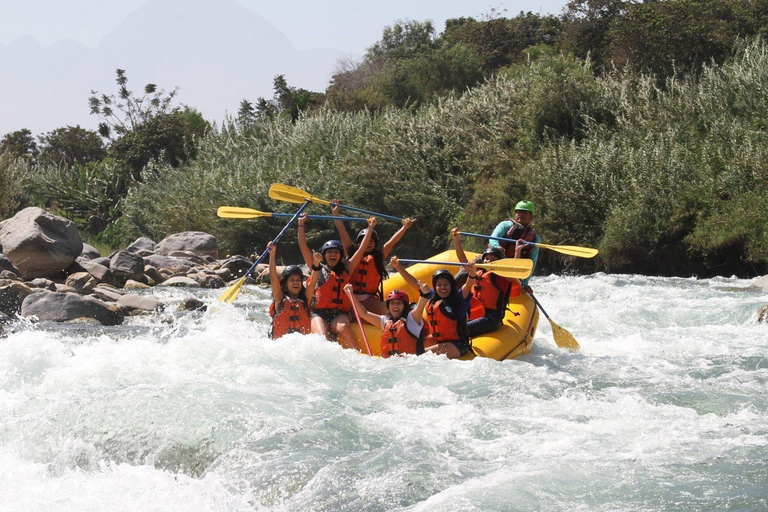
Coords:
pixel 397 339
pixel 366 277
pixel 444 323
pixel 329 293
pixel 492 291
pixel 292 316
pixel 519 232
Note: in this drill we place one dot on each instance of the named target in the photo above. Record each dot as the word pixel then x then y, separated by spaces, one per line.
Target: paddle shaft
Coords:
pixel 360 323
pixel 375 214
pixel 538 304
pixel 323 217
pixel 500 239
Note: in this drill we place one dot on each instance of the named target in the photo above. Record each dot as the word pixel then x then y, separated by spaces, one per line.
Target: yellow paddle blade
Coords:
pixel 230 294
pixel 289 194
pixel 563 338
pixel 236 212
pixel 511 268
pixel 571 250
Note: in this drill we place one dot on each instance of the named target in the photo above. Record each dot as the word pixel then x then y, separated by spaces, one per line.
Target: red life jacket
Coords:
pixel 291 316
pixel 329 293
pixel 519 232
pixel 366 277
pixel 492 291
pixel 397 339
pixel 444 324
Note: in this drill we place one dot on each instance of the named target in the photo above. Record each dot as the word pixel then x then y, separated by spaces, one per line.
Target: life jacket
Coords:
pixel 366 277
pixel 397 339
pixel 444 323
pixel 519 232
pixel 329 292
pixel 291 316
pixel 492 291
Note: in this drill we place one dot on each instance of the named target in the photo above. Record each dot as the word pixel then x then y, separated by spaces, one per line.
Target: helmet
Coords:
pixel 289 271
pixel 525 206
pixel 496 251
pixel 332 244
pixel 361 235
pixel 446 274
pixel 397 295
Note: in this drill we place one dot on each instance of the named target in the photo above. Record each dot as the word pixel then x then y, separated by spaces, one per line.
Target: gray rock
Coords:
pixel 7 266
pixel 81 282
pixel 90 252
pixel 175 265
pixel 63 307
pixel 238 265
pixel 179 281
pixel 100 272
pixel 153 274
pixel 12 294
pixel 195 241
pixel 208 280
pixel 104 261
pixel 188 255
pixel 224 273
pixel 38 243
pixel 134 285
pixel 45 284
pixel 133 301
pixel 760 284
pixel 762 314
pixel 191 304
pixel 63 288
pixel 7 274
pixel 143 244
pixel 125 265
pixel 107 293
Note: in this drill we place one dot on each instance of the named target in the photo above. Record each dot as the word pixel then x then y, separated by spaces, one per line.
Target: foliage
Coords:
pixel 12 192
pixel 19 143
pixel 71 145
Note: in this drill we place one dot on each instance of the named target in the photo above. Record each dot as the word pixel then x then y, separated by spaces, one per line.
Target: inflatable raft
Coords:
pixel 514 338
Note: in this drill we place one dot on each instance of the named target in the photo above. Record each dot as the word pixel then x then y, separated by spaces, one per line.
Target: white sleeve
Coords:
pixel 383 321
pixel 412 325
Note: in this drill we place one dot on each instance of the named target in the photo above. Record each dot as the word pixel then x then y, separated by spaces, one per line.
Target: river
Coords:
pixel 663 408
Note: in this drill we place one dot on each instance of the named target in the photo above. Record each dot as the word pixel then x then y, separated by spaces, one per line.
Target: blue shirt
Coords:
pixel 501 232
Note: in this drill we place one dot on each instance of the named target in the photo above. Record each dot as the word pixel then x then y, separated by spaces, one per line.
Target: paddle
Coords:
pixel 289 194
pixel 511 268
pixel 570 250
pixel 236 212
pixel 563 338
pixel 230 294
pixel 359 322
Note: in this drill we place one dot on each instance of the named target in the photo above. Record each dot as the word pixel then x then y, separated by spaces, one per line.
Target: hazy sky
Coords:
pixel 346 25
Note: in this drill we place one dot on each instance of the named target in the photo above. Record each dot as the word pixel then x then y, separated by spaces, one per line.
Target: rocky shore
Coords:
pixel 47 273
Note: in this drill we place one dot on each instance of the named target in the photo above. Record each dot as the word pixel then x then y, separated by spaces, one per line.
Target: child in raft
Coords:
pixel 447 310
pixel 331 306
pixel 367 278
pixel 490 290
pixel 290 298
pixel 401 327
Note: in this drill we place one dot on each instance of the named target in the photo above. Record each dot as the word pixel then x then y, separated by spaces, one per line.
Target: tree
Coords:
pixel 587 25
pixel 287 100
pixel 71 145
pixel 19 144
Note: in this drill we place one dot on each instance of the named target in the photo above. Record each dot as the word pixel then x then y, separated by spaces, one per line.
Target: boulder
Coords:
pixel 90 252
pixel 12 294
pixel 39 243
pixel 107 293
pixel 208 280
pixel 126 265
pixel 153 274
pixel 65 288
pixel 172 263
pixel 196 242
pixel 238 265
pixel 179 281
pixel 135 285
pixel 188 255
pixel 100 272
pixel 762 314
pixel 191 304
pixel 6 265
pixel 7 274
pixel 142 244
pixel 140 302
pixel 63 307
pixel 760 284
pixel 104 261
pixel 81 282
pixel 45 284
pixel 224 273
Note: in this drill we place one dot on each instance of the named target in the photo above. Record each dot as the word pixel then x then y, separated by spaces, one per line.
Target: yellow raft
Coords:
pixel 514 338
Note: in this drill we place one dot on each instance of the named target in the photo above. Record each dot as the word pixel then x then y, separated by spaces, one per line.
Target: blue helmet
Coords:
pixel 289 271
pixel 332 244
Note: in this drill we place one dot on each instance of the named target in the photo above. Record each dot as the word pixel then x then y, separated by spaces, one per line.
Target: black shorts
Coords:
pixel 329 314
pixel 462 345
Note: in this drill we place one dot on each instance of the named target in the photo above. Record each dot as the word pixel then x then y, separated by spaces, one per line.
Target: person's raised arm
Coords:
pixel 274 279
pixel 409 279
pixel 305 252
pixel 360 252
pixel 471 277
pixel 346 241
pixel 425 292
pixel 314 275
pixel 457 245
pixel 407 223
pixel 366 315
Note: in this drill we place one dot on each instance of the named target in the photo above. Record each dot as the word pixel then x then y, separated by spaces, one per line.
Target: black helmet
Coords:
pixel 332 244
pixel 496 251
pixel 289 271
pixel 361 235
pixel 446 274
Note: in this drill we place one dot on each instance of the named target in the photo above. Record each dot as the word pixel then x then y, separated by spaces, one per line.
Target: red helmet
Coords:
pixel 397 295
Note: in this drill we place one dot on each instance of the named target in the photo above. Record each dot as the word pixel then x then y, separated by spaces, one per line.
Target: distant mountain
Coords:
pixel 216 51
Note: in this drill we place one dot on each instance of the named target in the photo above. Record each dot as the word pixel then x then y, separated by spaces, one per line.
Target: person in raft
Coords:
pixel 519 228
pixel 490 290
pixel 401 326
pixel 446 309
pixel 290 298
pixel 331 306
pixel 369 275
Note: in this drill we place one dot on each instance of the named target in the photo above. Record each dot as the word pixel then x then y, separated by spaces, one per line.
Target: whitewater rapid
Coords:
pixel 663 408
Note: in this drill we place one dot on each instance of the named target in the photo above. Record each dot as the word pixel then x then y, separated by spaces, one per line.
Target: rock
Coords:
pixel 4 320
pixel 208 280
pixel 63 307
pixel 100 272
pixel 103 261
pixel 238 265
pixel 175 265
pixel 81 282
pixel 196 242
pixel 7 266
pixel 142 244
pixel 7 274
pixel 224 273
pixel 107 293
pixel 134 285
pixel 760 284
pixel 762 314
pixel 38 243
pixel 90 252
pixel 133 301
pixel 191 304
pixel 125 265
pixel 45 284
pixel 189 256
pixel 12 294
pixel 153 274
pixel 179 281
